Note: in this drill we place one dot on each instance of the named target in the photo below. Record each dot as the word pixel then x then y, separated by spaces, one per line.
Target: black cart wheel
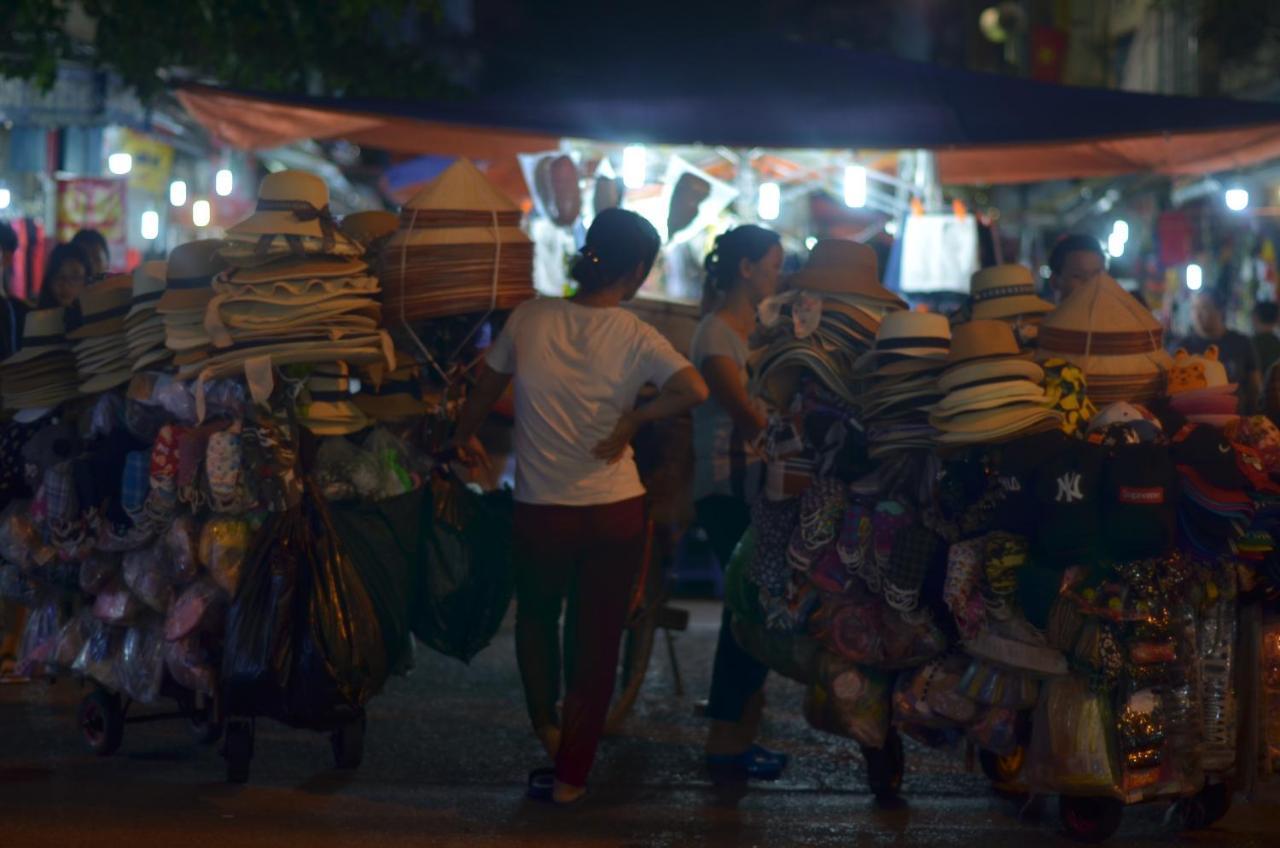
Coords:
pixel 237 748
pixel 101 720
pixel 1002 769
pixel 885 767
pixel 348 744
pixel 1090 819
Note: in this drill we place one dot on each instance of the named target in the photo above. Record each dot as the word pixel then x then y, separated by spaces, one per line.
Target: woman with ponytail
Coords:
pixel 742 270
pixel 578 366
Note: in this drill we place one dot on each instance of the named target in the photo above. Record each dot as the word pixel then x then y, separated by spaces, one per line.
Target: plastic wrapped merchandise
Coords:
pixel 115 604
pixel 97 571
pixel 931 696
pixel 191 665
pixel 181 543
pixel 1073 741
pixel 393 463
pixel 71 640
pixel 40 638
pixel 142 661
pixel 224 543
pixel 146 573
pixel 344 471
pixel 201 608
pixel 850 702
pixel 19 541
pixel 996 730
pixel 100 658
pixel 14 586
pixel 1216 640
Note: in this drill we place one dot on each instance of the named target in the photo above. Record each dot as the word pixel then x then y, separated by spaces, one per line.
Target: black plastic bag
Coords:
pixel 387 541
pixel 303 642
pixel 464 580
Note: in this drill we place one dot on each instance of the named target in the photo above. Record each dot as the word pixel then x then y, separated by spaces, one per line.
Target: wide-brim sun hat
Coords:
pixel 1005 291
pixel 841 267
pixel 189 276
pixel 993 369
pixel 43 332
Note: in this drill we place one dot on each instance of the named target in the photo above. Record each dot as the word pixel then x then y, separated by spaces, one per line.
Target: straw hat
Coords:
pixel 327 406
pixel 293 268
pixel 370 226
pixel 148 287
pixel 924 335
pixel 103 307
pixel 986 350
pixel 189 276
pixel 292 203
pixel 1005 291
pixel 837 266
pixel 43 332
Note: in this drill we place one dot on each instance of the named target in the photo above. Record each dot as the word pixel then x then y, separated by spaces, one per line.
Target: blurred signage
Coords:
pixel 93 203
pixel 152 162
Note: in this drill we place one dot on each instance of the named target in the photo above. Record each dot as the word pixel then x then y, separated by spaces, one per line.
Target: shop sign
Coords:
pixel 152 162
pixel 94 203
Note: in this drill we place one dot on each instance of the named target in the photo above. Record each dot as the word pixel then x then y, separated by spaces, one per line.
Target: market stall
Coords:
pixel 1058 551
pixel 222 477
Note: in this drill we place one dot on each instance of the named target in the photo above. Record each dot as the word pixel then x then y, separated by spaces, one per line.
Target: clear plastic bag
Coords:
pixel 1073 741
pixel 40 638
pixel 201 608
pixel 115 604
pixel 224 543
pixel 393 461
pixel 71 640
pixel 190 665
pixel 344 471
pixel 181 543
pixel 142 662
pixel 147 575
pixel 97 571
pixel 100 658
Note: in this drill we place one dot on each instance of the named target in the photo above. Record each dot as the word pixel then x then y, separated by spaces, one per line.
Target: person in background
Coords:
pixel 1235 350
pixel 741 271
pixel 65 276
pixel 578 366
pixel 14 311
pixel 1075 260
pixel 95 246
pixel 1266 344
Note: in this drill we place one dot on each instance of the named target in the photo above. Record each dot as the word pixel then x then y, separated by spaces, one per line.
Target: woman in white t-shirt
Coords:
pixel 741 271
pixel 578 366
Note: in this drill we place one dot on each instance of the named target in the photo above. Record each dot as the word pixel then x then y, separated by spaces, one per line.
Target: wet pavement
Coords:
pixel 445 761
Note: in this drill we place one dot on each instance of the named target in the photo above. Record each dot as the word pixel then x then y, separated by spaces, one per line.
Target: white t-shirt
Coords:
pixel 577 370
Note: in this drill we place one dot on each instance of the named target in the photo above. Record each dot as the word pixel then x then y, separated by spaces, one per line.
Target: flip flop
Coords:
pixel 542 782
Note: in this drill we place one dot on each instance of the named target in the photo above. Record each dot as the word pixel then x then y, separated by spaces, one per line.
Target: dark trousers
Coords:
pixel 736 675
pixel 589 556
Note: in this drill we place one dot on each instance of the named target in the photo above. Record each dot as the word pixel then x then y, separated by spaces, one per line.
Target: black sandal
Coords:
pixel 542 782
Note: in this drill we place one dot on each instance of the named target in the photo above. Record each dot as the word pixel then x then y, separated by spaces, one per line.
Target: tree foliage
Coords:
pixel 370 48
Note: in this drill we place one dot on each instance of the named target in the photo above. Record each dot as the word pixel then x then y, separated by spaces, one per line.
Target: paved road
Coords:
pixel 445 762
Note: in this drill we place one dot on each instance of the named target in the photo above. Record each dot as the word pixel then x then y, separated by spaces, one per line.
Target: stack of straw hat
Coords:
pixel 143 326
pixel 1110 336
pixel 911 349
pixel 1008 293
pixel 459 250
pixel 42 374
pixel 841 282
pixel 296 291
pixel 327 406
pixel 102 356
pixel 993 392
pixel 188 289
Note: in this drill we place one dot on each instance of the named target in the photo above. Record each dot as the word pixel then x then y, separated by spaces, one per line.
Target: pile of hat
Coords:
pixel 296 291
pixel 144 327
pixel 102 356
pixel 1199 388
pixel 1215 507
pixel 459 250
pixel 327 406
pixel 825 321
pixel 392 395
pixel 42 374
pixel 1112 337
pixel 1008 293
pixel 188 288
pixel 911 348
pixel 993 392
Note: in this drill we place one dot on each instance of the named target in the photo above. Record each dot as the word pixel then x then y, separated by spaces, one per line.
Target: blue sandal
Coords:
pixel 755 763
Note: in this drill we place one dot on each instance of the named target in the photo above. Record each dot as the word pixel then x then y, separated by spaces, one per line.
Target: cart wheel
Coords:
pixel 101 720
pixel 205 727
pixel 1206 807
pixel 885 767
pixel 1090 819
pixel 348 744
pixel 237 748
pixel 1002 770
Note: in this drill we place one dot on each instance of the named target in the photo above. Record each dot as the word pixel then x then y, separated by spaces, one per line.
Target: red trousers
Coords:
pixel 588 556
